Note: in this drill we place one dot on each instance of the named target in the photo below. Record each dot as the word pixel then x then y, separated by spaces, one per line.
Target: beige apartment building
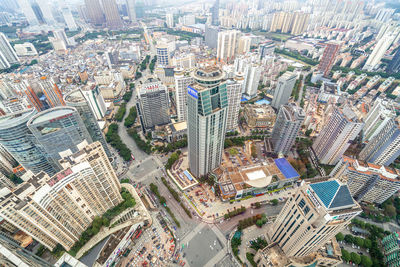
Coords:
pixel 56 210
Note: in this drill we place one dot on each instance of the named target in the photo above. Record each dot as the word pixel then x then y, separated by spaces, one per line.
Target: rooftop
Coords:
pixel 50 114
pixel 332 194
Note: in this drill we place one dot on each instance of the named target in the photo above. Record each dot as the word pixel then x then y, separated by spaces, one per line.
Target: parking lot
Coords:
pixel 155 247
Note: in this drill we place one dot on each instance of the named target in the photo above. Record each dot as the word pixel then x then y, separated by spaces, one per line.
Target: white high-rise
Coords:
pixel 379 51
pixel 169 20
pixel 45 7
pixel 182 81
pixel 252 73
pixel 130 6
pixel 7 53
pixel 227 42
pixel 234 91
pixel 287 126
pixel 342 128
pixel 283 89
pixel 377 118
pixel 28 12
pixel 244 45
pixel 69 19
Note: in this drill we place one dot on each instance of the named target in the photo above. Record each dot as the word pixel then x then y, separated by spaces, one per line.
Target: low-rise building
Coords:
pixel 259 116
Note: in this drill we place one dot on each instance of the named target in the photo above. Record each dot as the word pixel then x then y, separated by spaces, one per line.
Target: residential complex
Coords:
pixel 283 90
pixel 182 81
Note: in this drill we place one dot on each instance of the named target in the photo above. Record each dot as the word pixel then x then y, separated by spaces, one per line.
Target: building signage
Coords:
pixel 192 92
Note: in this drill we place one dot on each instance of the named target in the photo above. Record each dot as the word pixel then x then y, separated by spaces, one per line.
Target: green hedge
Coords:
pixel 131 118
pixel 144 146
pixel 115 141
pixel 119 116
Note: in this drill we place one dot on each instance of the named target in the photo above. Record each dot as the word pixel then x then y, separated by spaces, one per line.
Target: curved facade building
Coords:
pixel 77 100
pixel 59 129
pixel 16 137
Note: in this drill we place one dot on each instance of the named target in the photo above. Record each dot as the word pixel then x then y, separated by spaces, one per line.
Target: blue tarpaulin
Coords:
pixel 286 169
pixel 188 175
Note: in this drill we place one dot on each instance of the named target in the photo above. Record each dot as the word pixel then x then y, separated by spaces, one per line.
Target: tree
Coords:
pixel 355 258
pixel 339 237
pixel 345 255
pixel 274 202
pixel 390 210
pixel 366 261
pixel 359 241
pixel 259 223
pixel 349 239
pixel 367 243
pixel 308 132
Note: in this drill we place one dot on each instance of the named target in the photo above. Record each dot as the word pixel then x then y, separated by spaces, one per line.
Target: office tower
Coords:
pixel 7 162
pixel 12 254
pixel 252 73
pixel 266 49
pixel 394 65
pixel 328 57
pixel 312 216
pixel 162 54
pixel 94 12
pixel 207 107
pixel 283 89
pixel 59 129
pixel 182 81
pixel 16 137
pixel 113 19
pixel 287 126
pixel 152 105
pixel 244 44
pixel 130 5
pixel 384 147
pixel 169 20
pixel 50 89
pixel 38 13
pixel 32 97
pixel 377 118
pixel 28 12
pixel 342 127
pixel 227 45
pixel 69 19
pixel 215 13
pixel 379 51
pixel 46 11
pixel 367 181
pixel 234 91
pixel 7 53
pixel 56 210
pixel 384 14
pixel 211 36
pixel 88 107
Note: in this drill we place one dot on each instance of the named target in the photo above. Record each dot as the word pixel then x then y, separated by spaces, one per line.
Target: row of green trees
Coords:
pixel 119 116
pixel 296 55
pixel 258 219
pixel 115 141
pixel 99 221
pixel 127 96
pixel 365 261
pixel 239 141
pixel 152 64
pixel 235 212
pixel 172 146
pixel 131 118
pixel 142 145
pixel 163 201
pixel 176 197
pixel 172 159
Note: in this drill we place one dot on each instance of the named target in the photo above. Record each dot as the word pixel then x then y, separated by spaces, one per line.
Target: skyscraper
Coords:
pixel 334 139
pixel 367 182
pixel 252 74
pixel 69 19
pixel 59 129
pixel 163 54
pixel 377 118
pixel 379 51
pixel 312 216
pixel 226 49
pixel 46 11
pixel 233 89
pixel 328 57
pixel 211 36
pixel 113 19
pixel 94 12
pixel 28 12
pixel 215 13
pixel 287 126
pixel 130 5
pixel 16 137
pixel 51 91
pixel 56 210
pixel 32 97
pixel 394 65
pixel 207 114
pixel 169 20
pixel 384 147
pixel 7 53
pixel 283 89
pixel 153 104
pixel 182 81
pixel 87 110
pixel 244 44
